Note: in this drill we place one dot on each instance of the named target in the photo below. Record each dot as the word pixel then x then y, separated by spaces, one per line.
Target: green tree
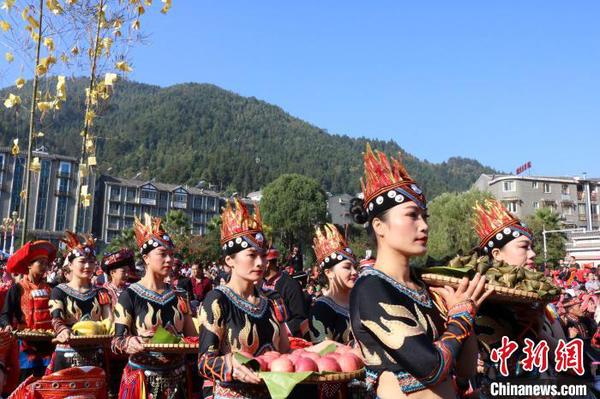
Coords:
pixel 124 240
pixel 451 223
pixel 292 205
pixel 177 222
pixel 545 218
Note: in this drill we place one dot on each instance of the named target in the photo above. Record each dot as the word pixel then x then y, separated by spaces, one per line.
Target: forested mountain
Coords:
pixel 191 132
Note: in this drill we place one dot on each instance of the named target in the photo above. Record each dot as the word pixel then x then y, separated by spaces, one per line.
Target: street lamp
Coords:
pixel 11 224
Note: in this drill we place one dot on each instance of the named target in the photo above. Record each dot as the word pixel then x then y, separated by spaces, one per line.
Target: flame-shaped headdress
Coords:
pixel 496 226
pixel 330 246
pixel 150 234
pixel 387 184
pixel 76 247
pixel 240 229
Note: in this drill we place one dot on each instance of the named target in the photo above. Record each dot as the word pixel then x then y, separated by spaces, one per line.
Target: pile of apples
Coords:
pixel 342 360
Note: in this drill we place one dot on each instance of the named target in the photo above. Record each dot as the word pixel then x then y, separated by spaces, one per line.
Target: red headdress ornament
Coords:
pixel 330 246
pixel 150 234
pixel 240 229
pixel 386 184
pixel 496 226
pixel 76 247
pixel 28 253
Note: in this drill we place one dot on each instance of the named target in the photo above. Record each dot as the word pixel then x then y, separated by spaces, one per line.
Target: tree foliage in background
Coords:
pixel 293 204
pixel 190 132
pixel 451 223
pixel 545 218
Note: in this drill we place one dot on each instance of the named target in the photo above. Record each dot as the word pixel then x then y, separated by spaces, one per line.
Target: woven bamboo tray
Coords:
pixel 501 294
pixel 172 348
pixel 34 335
pixel 90 340
pixel 335 377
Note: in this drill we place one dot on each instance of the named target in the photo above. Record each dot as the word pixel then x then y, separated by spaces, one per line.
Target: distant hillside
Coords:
pixel 191 132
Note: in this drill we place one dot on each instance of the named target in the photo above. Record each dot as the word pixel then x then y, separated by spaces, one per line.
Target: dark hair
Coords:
pixel 360 216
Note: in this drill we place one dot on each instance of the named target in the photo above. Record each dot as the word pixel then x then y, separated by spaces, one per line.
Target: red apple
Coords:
pixel 264 364
pixel 333 355
pixel 299 352
pixel 328 364
pixel 350 362
pixel 272 354
pixel 293 357
pixel 306 364
pixel 312 355
pixel 282 364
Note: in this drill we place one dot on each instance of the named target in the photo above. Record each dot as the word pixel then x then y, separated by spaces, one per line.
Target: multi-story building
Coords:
pixel 574 199
pixel 118 201
pixel 52 197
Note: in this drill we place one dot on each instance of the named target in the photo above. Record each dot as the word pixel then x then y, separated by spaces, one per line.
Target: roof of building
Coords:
pixel 41 154
pixel 557 179
pixel 159 186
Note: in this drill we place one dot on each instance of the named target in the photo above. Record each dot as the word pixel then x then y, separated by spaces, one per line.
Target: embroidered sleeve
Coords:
pixel 395 322
pixel 104 296
pixel 123 313
pixel 212 364
pixel 183 303
pixel 321 322
pixel 57 309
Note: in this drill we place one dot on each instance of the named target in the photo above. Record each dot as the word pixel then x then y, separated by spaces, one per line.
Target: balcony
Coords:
pixel 148 201
pixel 179 204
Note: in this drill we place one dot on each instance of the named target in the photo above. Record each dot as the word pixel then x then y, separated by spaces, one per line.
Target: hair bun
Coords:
pixel 357 211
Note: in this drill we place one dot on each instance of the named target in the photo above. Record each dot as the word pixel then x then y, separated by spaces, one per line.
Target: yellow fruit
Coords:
pixel 87 327
pixel 109 326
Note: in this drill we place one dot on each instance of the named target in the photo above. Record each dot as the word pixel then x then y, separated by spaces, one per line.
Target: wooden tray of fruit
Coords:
pixel 182 348
pixel 35 335
pixel 336 376
pixel 511 283
pixel 501 294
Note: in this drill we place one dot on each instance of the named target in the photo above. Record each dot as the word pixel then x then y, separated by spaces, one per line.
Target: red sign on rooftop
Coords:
pixel 524 167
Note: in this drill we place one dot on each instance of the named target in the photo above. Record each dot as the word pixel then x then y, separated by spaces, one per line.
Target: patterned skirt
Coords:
pixel 168 382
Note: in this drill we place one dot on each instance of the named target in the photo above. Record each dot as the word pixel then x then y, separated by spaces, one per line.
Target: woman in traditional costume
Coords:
pixel 503 237
pixel 26 305
pixel 144 307
pixel 410 344
pixel 329 316
pixel 237 317
pixel 78 300
pixel 116 265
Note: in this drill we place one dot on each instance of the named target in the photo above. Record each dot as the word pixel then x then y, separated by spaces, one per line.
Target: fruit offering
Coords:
pixel 88 328
pixel 301 360
pixel 498 273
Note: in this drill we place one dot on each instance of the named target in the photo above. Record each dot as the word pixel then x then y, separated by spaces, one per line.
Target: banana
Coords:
pixel 88 327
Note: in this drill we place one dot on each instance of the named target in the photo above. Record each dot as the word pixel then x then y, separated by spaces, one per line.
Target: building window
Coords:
pixel 64 169
pixel 61 213
pixel 511 206
pixel 129 210
pixel 148 195
pixel 536 205
pixel 113 223
pixel 15 200
pixel 198 201
pixel 508 186
pixel 547 188
pixel 180 199
pixel 42 200
pixel 210 203
pixel 115 193
pixel 1 169
pixel 567 209
pixel 114 208
pixel 62 185
pixel 534 185
pixel 564 189
pixel 130 196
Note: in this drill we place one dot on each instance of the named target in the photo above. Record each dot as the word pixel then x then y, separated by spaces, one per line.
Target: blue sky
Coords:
pixel 502 82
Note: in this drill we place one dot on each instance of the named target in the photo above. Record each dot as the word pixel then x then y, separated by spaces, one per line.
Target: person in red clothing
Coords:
pixel 27 303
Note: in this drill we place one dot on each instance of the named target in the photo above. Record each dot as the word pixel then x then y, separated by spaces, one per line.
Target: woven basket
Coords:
pixel 90 340
pixel 501 294
pixel 335 377
pixel 172 348
pixel 34 335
